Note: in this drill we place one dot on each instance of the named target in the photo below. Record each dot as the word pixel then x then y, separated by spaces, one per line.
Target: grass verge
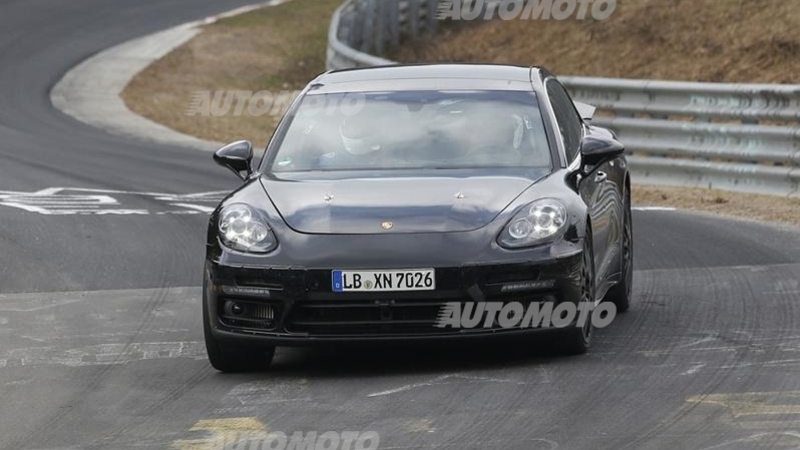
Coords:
pixel 278 48
pixel 744 41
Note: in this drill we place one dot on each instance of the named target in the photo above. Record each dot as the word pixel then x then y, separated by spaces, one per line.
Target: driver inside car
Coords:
pixel 360 145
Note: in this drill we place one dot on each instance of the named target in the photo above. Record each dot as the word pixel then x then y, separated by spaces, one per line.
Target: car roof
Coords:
pixel 426 77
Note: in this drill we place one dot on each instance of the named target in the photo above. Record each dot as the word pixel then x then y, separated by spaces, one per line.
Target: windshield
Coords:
pixel 414 130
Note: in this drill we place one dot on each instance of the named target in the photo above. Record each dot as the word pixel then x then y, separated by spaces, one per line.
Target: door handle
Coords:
pixel 600 177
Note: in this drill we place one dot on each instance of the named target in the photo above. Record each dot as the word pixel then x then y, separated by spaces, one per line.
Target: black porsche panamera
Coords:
pixel 386 193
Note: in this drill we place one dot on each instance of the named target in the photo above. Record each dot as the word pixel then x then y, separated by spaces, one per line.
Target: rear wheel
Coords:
pixel 622 292
pixel 233 358
pixel 577 340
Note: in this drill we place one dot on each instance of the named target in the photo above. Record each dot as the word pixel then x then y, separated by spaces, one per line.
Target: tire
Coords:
pixel 230 358
pixel 576 341
pixel 621 293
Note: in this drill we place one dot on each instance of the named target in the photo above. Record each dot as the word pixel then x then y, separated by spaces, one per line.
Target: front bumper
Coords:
pixel 292 307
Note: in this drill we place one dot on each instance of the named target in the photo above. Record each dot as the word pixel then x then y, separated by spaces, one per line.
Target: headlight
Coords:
pixel 242 228
pixel 537 223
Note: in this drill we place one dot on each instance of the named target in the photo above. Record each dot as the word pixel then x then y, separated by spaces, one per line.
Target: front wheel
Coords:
pixel 577 340
pixel 622 292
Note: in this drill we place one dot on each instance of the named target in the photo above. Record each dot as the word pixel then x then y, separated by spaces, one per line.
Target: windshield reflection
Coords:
pixel 414 130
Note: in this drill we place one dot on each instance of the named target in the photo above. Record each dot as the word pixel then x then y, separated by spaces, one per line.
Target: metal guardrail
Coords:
pixel 362 28
pixel 741 137
pixel 729 136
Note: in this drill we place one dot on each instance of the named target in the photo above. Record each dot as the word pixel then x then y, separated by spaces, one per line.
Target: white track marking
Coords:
pixel 652 208
pixel 445 378
pixel 408 387
pixel 11 302
pixel 85 201
pixel 40 330
pixel 201 208
pixel 102 354
pixel 753 440
pixel 694 369
pixel 702 340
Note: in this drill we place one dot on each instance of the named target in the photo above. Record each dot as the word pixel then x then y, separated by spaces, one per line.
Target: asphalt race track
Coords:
pixel 100 331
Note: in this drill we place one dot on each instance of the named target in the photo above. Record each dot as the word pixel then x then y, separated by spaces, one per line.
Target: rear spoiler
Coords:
pixel 585 110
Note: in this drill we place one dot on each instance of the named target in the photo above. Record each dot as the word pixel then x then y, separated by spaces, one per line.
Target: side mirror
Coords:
pixel 237 157
pixel 596 150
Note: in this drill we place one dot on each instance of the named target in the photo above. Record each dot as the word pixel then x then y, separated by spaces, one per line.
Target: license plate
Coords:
pixel 383 280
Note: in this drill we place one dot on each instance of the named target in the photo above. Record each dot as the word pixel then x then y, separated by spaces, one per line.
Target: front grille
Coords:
pixel 354 317
pixel 364 316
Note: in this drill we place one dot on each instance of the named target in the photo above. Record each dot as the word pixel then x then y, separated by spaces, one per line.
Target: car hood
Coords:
pixel 393 205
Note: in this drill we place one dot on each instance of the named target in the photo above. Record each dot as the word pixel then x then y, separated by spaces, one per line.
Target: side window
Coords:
pixel 569 123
